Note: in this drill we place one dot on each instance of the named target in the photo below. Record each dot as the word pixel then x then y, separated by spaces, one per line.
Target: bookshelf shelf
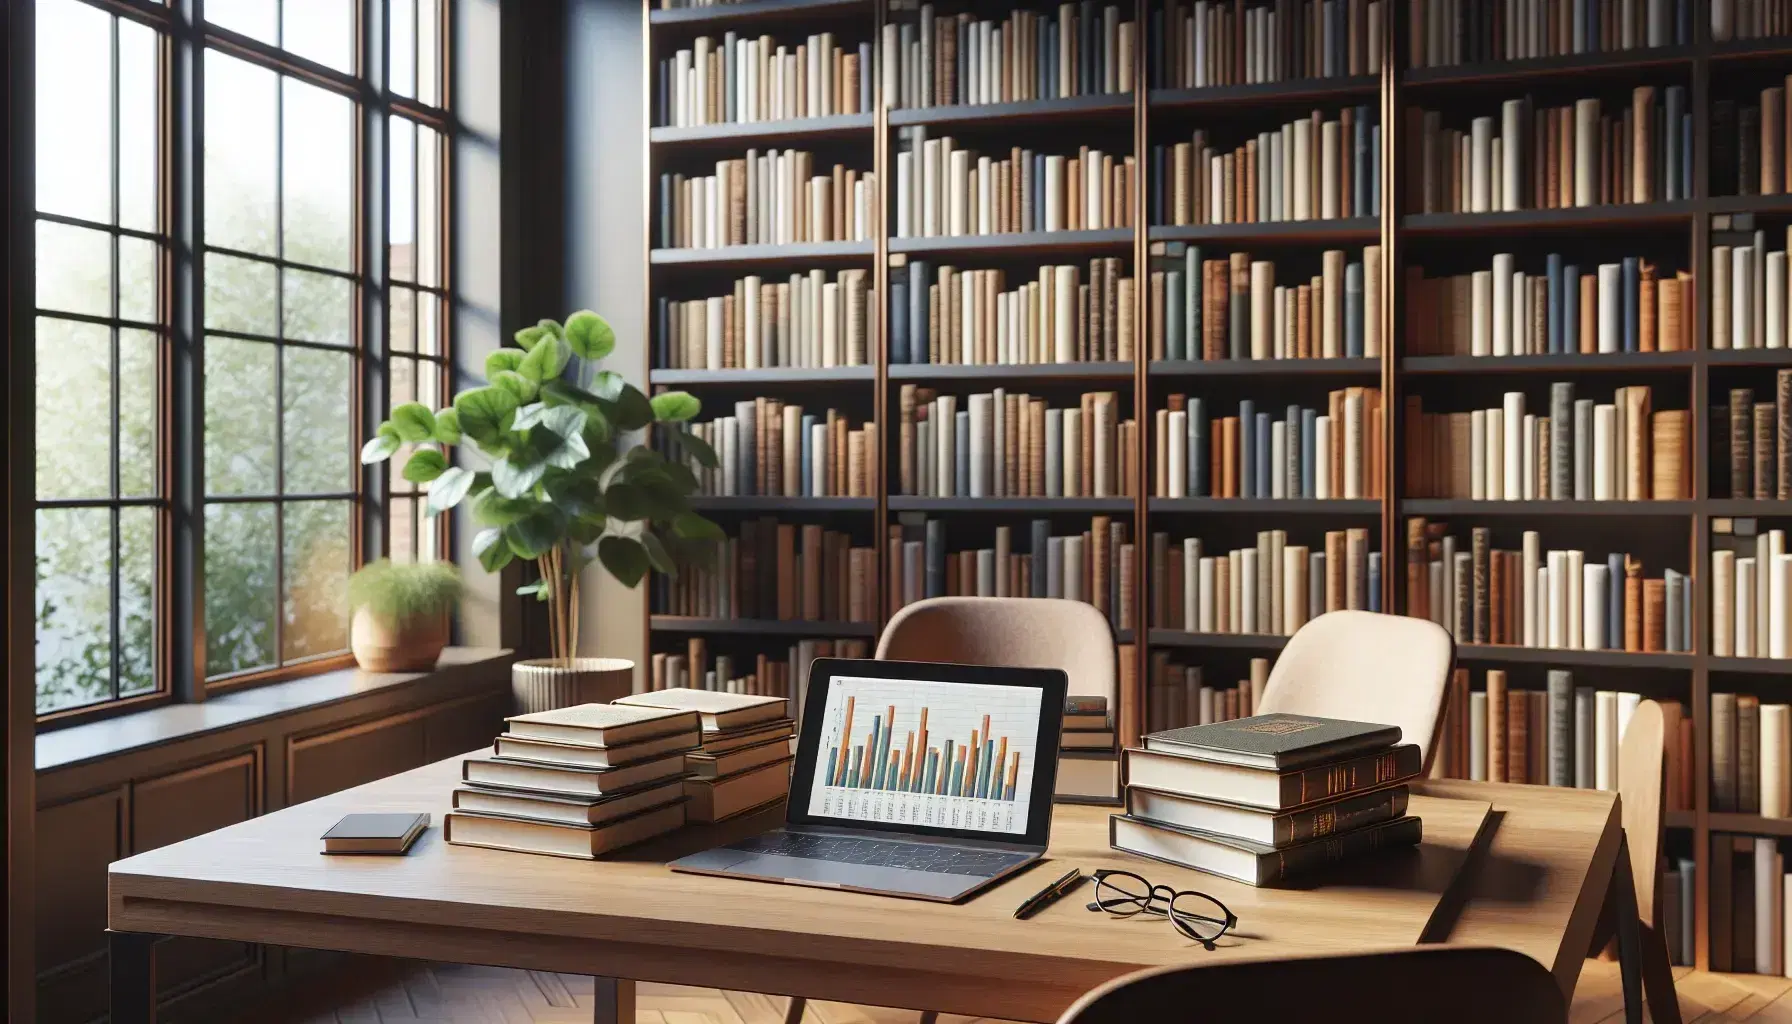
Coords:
pixel 1070 108
pixel 1558 656
pixel 1317 90
pixel 1340 230
pixel 794 254
pixel 1738 51
pixel 1041 506
pixel 1258 506
pixel 1780 203
pixel 759 132
pixel 1747 357
pixel 1746 507
pixel 1752 666
pixel 1627 216
pixel 1682 819
pixel 775 503
pixel 1248 641
pixel 767 627
pixel 1107 241
pixel 1569 362
pixel 1098 371
pixel 1750 824
pixel 1264 367
pixel 757 11
pixel 1615 509
pixel 765 375
pixel 1582 66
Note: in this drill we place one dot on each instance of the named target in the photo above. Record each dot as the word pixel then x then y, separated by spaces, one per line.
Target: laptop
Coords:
pixel 914 779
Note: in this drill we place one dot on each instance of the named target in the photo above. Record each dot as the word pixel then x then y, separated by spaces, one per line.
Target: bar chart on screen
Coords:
pixel 912 752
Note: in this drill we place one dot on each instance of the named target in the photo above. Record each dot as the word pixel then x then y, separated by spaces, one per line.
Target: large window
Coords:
pixel 306 254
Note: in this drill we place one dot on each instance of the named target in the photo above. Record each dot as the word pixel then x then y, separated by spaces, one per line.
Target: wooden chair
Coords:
pixel 1641 800
pixel 1418 985
pixel 1366 667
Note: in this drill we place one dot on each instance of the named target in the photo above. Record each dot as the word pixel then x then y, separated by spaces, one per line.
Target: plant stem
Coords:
pixel 546 574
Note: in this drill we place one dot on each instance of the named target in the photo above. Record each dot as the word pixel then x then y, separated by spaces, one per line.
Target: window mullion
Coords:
pixel 187 630
pixel 376 357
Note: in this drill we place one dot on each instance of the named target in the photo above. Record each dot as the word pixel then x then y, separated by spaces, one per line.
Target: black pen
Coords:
pixel 1049 895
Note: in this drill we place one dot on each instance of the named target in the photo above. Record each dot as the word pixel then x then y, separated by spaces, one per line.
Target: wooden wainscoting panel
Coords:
pixel 75 841
pixel 465 724
pixel 322 763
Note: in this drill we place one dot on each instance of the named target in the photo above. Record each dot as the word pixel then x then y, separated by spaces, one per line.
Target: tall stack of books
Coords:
pixel 1263 799
pixel 577 782
pixel 743 762
pixel 1087 725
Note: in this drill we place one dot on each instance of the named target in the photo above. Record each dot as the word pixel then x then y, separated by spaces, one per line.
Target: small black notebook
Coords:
pixel 375 833
pixel 1275 742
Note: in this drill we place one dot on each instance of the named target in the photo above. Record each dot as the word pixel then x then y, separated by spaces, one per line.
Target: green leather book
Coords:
pixel 1275 742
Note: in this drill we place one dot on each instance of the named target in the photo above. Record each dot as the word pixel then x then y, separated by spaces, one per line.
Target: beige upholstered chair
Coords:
pixel 1366 667
pixel 1415 985
pixel 1030 632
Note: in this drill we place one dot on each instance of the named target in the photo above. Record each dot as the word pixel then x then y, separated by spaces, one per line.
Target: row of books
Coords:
pixel 1751 598
pixel 944 189
pixel 1760 442
pixel 777 448
pixel 1004 444
pixel 741 79
pixel 1088 724
pixel 1290 452
pixel 1535 598
pixel 1749 760
pixel 1748 145
pixel 1578 449
pixel 765 676
pixel 1748 295
pixel 1274 587
pixel 1177 695
pixel 1307 169
pixel 1554 157
pixel 945 315
pixel 769 198
pixel 1555 308
pixel 1213 42
pixel 807 320
pixel 1748 890
pixel 1749 19
pixel 1443 33
pixel 1233 307
pixel 1094 565
pixel 774 570
pixel 1072 49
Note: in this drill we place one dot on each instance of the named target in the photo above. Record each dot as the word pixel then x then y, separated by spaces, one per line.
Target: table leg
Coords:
pixel 793 1013
pixel 132 959
pixel 614 1001
pixel 1630 938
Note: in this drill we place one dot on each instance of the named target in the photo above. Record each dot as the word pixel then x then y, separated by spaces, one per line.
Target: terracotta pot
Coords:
pixel 381 646
pixel 542 684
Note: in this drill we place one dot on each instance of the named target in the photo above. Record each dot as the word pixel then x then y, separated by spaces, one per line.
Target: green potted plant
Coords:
pixel 401 614
pixel 558 480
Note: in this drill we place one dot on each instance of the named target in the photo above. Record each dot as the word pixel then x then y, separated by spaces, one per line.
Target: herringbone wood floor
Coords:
pixel 389 991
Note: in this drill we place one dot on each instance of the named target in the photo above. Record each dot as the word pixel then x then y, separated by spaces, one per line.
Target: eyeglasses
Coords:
pixel 1194 914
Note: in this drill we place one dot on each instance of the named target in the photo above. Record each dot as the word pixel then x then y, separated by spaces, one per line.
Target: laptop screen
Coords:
pixel 914 751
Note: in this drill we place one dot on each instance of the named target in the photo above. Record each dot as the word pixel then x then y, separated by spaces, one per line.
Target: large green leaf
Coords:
pixel 625 559
pixel 665 499
pixel 545 360
pixel 608 385
pixel 448 426
pixel 586 529
pixel 494 509
pixel 627 502
pixel 681 474
pixel 521 387
pixel 424 465
pixel 698 448
pixel 676 406
pixel 692 526
pixel 657 554
pixel 515 481
pixel 631 410
pixel 383 445
pixel 529 337
pixel 534 534
pixel 414 422
pixel 528 415
pixel 503 359
pixel 485 413
pixel 492 552
pixel 558 437
pixel 590 335
pixel 448 489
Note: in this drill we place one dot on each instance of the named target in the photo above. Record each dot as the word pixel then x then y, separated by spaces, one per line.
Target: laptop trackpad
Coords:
pixel 937 885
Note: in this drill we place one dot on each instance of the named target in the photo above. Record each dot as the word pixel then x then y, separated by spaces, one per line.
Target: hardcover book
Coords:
pixel 1248 862
pixel 1279 742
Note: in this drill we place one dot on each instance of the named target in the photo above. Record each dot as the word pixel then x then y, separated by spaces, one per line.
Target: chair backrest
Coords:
pixel 1366 667
pixel 1414 985
pixel 1640 760
pixel 1027 632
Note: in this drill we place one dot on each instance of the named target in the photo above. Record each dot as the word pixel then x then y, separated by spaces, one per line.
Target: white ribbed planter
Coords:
pixel 542 684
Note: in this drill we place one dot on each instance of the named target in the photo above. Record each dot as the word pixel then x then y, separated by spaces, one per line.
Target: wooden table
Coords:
pixel 1535 883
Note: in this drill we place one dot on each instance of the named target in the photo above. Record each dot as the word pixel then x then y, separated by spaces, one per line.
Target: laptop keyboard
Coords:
pixel 950 860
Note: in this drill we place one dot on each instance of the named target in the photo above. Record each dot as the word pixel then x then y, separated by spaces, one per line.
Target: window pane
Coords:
pixel 400 523
pixel 137 279
pixel 322 30
pixel 74 409
pixel 401 43
pixel 429 214
pixel 317 307
pixel 429 325
pixel 138 389
pixel 239 420
pixel 240 144
pixel 402 387
pixel 74 110
pixel 240 589
pixel 239 295
pixel 74 607
pixel 253 18
pixel 139 94
pixel 74 269
pixel 402 320
pixel 318 175
pixel 136 600
pixel 429 56
pixel 317 568
pixel 317 444
pixel 401 219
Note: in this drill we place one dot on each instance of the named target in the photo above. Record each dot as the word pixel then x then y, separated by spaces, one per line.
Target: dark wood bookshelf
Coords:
pixel 1742 51
pixel 1681 819
pixel 1750 666
pixel 1104 241
pixel 1765 507
pixel 1259 506
pixel 775 503
pixel 1565 362
pixel 754 11
pixel 1339 230
pixel 770 375
pixel 1580 66
pixel 1626 216
pixel 768 627
pixel 1778 203
pixel 1749 824
pixel 1168 368
pixel 1569 658
pixel 1096 371
pixel 1262 94
pixel 1601 509
pixel 751 133
pixel 795 253
pixel 1746 357
pixel 1068 108
pixel 1021 506
pixel 1246 641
